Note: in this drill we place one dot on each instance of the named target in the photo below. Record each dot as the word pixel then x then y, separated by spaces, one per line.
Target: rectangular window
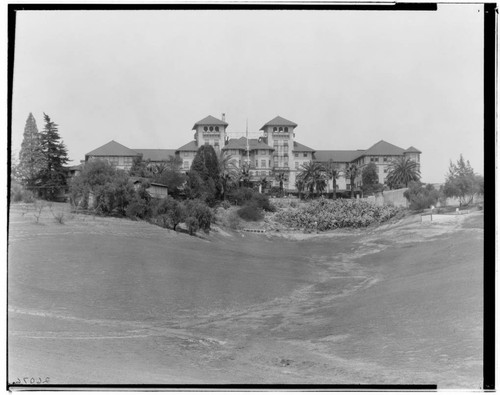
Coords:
pixel 256 163
pixel 385 170
pixel 239 163
pixel 296 155
pixel 275 163
pixel 305 154
pixel 296 165
pixel 286 164
pixel 206 143
pixel 269 162
pixel 385 158
pixel 186 153
pixel 376 159
pixel 185 164
pixel 262 163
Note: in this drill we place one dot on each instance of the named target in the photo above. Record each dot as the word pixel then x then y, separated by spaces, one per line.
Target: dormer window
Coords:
pixel 211 128
pixel 281 129
pixel 275 129
pixel 205 128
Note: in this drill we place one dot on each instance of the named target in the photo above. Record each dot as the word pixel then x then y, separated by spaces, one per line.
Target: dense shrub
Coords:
pixel 192 225
pixel 140 204
pixel 248 196
pixel 19 194
pixel 250 212
pixel 420 196
pixel 101 184
pixel 225 204
pixel 325 214
pixel 168 213
pixel 233 220
pixel 201 212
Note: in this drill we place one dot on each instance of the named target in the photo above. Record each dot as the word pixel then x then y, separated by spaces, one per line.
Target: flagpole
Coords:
pixel 248 149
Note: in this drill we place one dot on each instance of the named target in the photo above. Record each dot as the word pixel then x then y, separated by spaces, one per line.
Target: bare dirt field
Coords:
pixel 112 301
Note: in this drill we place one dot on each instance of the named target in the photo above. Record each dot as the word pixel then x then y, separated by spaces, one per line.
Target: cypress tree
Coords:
pixel 206 166
pixel 52 176
pixel 31 158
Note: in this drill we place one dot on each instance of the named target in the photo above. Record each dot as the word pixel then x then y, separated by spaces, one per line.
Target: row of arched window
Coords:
pixel 211 128
pixel 280 129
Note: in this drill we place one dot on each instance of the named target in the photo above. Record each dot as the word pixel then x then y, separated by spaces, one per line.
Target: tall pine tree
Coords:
pixel 31 158
pixel 52 176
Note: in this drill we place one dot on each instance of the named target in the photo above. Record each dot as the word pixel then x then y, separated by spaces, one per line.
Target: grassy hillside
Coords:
pixel 103 300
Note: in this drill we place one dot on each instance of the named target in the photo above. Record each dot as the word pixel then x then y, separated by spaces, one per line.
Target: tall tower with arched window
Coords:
pixel 211 131
pixel 279 134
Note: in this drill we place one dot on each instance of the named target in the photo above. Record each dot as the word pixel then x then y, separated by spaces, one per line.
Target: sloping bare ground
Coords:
pixel 401 303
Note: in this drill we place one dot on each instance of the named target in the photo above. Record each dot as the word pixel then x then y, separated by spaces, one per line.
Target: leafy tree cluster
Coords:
pixel 108 191
pixel 421 196
pixel 102 188
pixel 462 182
pixel 42 159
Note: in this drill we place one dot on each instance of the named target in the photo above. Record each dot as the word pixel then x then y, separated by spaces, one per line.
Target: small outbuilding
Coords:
pixel 155 190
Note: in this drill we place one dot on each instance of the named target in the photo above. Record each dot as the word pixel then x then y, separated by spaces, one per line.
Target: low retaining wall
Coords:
pixel 395 198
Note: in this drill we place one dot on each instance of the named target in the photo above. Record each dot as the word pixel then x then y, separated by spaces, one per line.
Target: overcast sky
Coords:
pixel 347 78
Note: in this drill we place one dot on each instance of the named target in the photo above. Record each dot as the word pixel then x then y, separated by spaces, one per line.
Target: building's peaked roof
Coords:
pixel 279 121
pixel 241 143
pixel 155 155
pixel 301 147
pixel 384 148
pixel 112 149
pixel 413 149
pixel 191 146
pixel 339 156
pixel 210 120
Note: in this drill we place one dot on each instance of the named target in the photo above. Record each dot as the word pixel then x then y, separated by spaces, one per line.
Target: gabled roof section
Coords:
pixel 384 148
pixel 191 146
pixel 155 155
pixel 113 149
pixel 413 149
pixel 241 144
pixel 279 121
pixel 297 147
pixel 338 156
pixel 209 121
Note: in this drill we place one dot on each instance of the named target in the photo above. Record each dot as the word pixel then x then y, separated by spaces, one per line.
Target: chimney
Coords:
pixel 223 117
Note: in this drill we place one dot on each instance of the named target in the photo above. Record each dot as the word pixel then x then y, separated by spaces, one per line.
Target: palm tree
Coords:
pixel 332 172
pixel 262 183
pixel 299 184
pixel 351 172
pixel 312 174
pixel 244 175
pixel 280 177
pixel 228 172
pixel 402 171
